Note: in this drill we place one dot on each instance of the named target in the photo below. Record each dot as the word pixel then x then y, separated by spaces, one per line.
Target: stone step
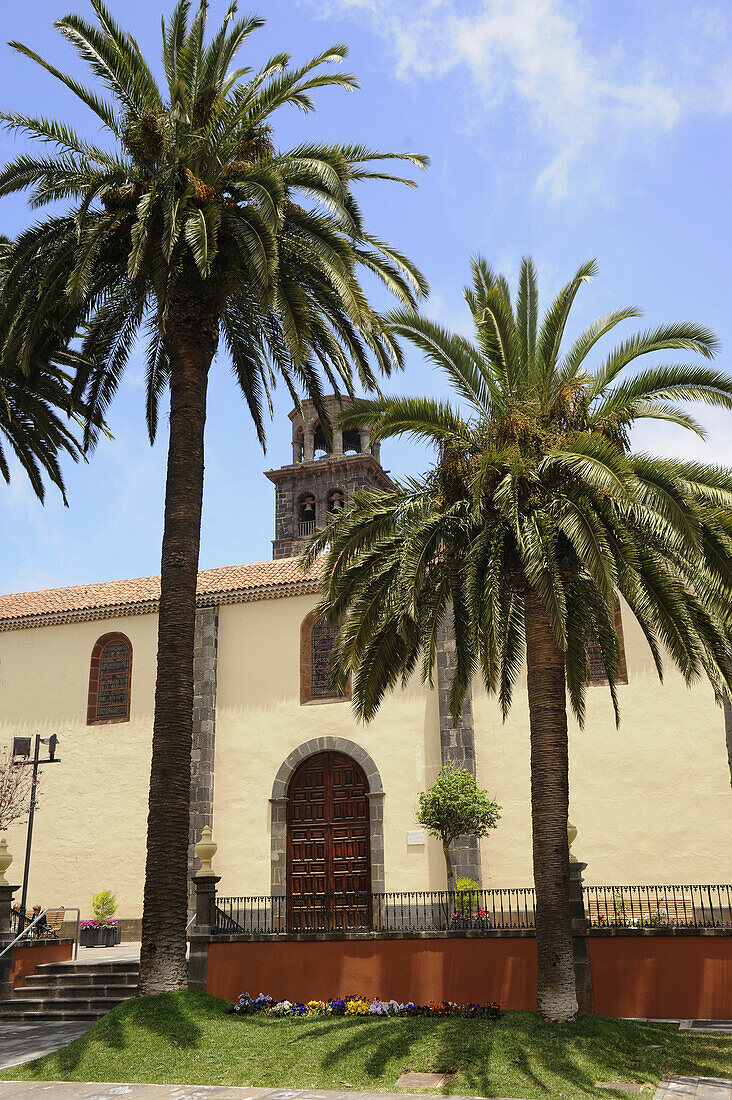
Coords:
pixel 44 1015
pixel 83 992
pixel 72 991
pixel 131 967
pixel 95 1005
pixel 82 981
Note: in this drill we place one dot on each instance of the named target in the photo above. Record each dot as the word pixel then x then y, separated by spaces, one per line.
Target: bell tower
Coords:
pixel 320 480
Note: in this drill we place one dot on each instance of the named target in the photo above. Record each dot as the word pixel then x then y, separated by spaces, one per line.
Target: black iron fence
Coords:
pixel 427 911
pixel 659 906
pixel 18 922
pixel 475 911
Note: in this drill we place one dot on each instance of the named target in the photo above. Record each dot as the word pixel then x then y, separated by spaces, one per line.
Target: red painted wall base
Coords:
pixel 679 976
pixel 419 970
pixel 663 977
pixel 32 955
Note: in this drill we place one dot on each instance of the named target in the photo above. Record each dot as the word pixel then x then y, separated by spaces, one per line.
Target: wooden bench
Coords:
pixel 54 921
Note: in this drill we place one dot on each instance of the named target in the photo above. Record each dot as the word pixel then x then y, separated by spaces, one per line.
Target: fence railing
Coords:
pixel 477 911
pixel 18 922
pixel 659 906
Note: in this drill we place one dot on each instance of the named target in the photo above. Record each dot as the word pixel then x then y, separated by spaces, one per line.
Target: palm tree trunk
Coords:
pixel 163 954
pixel 556 992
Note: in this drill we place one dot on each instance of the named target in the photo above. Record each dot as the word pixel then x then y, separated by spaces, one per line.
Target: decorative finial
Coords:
pixel 206 850
pixel 571 837
pixel 5 860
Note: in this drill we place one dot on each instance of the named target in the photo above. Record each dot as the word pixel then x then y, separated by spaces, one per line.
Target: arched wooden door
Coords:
pixel 328 849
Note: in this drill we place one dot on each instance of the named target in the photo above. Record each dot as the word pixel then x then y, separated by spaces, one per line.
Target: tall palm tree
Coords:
pixel 39 420
pixel 535 517
pixel 189 225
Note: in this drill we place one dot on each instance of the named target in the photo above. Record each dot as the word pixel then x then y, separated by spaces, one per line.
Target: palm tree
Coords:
pixel 534 519
pixel 39 421
pixel 189 226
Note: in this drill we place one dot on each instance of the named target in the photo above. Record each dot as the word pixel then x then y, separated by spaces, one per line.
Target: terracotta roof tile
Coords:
pixel 227 584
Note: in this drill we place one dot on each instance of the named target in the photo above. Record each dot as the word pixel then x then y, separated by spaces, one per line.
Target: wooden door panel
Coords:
pixel 309 792
pixel 328 850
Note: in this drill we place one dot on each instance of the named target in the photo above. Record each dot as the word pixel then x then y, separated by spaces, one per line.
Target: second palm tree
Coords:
pixel 534 519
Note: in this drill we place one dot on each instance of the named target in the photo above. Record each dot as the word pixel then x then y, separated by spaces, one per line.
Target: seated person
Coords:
pixel 42 927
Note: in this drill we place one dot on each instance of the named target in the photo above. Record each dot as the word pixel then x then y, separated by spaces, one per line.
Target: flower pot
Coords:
pixel 91 937
pixel 103 936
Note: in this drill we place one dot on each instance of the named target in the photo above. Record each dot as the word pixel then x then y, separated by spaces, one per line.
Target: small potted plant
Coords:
pixel 467 892
pixel 456 806
pixel 103 930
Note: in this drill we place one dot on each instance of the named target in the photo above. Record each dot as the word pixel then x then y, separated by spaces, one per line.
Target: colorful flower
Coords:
pixel 354 1005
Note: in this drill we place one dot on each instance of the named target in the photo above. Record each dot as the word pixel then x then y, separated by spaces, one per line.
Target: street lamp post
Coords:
pixel 22 748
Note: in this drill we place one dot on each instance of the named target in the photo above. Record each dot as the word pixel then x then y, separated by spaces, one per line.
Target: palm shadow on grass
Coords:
pixel 167 1015
pixel 551 1057
pixel 520 1055
pixel 460 1047
pixel 383 1044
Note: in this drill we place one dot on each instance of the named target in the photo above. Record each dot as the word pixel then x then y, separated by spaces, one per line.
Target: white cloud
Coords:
pixel 587 103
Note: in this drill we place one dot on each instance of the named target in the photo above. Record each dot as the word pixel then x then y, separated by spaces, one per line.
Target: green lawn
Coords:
pixel 188 1038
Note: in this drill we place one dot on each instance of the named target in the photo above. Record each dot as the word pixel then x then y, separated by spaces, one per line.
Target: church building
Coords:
pixel 300 796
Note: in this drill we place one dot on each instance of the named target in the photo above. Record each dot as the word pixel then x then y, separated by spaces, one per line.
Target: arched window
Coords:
pixel 336 500
pixel 320 443
pixel 597 665
pixel 317 639
pixel 306 514
pixel 110 678
pixel 351 441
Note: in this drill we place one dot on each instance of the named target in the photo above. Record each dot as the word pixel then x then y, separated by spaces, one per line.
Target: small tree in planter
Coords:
pixel 102 931
pixel 454 806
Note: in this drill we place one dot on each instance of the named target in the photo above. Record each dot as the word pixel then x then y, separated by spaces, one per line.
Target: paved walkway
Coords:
pixel 711 1027
pixel 24 1042
pixel 691 1088
pixel 671 1088
pixel 123 952
pixel 72 1090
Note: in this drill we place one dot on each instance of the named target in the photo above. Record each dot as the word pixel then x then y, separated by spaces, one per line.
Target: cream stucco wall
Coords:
pixel 651 800
pixel 89 831
pixel 259 721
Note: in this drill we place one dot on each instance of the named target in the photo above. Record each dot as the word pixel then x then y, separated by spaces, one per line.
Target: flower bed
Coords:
pixel 360 1006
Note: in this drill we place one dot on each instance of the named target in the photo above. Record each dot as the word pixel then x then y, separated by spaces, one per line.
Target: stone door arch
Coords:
pixel 328 844
pixel 279 804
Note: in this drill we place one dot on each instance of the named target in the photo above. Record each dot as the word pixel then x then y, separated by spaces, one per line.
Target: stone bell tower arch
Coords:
pixel 321 477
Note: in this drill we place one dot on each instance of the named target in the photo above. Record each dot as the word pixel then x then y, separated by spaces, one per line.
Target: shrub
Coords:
pixel 455 806
pixel 103 905
pixel 467 895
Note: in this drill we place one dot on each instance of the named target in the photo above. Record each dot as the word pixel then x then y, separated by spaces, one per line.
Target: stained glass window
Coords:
pixel 597 665
pixel 322 640
pixel 109 687
pixel 598 674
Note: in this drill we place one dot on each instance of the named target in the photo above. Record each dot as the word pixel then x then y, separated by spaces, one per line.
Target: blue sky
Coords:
pixel 561 129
